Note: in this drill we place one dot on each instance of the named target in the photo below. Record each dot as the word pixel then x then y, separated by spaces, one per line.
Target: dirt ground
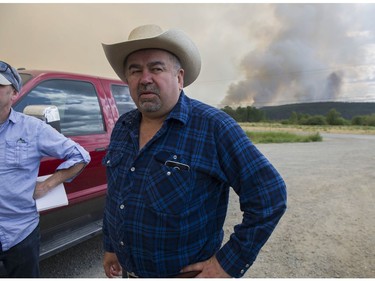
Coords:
pixel 328 229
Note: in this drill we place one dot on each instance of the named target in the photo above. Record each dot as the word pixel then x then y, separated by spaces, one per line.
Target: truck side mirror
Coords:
pixel 47 113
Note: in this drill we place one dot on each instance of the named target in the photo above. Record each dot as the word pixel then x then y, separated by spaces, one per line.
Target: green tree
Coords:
pixel 333 117
pixel 364 120
pixel 245 114
pixel 254 115
pixel 294 118
pixel 230 111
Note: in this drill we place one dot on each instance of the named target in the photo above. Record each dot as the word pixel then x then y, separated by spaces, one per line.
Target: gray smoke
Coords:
pixel 308 57
pixel 333 86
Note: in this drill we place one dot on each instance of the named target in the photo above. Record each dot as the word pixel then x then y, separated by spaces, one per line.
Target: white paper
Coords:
pixel 53 199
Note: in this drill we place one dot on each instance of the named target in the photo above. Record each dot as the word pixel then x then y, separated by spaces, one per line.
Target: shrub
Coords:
pixel 315 120
pixel 282 137
pixel 364 120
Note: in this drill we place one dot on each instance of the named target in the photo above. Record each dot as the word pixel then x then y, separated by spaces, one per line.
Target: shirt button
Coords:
pixel 108 162
pixel 247 266
pixel 122 243
pixel 242 271
pixel 122 206
pixel 169 173
pixel 175 157
pixel 132 169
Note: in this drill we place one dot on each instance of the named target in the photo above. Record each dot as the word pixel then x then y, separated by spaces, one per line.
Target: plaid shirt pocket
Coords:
pixel 168 189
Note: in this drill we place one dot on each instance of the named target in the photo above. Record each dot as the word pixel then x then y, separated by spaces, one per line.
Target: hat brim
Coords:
pixel 173 41
pixel 4 81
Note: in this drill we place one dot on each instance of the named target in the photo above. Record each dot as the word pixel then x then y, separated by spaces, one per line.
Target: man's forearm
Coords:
pixel 57 178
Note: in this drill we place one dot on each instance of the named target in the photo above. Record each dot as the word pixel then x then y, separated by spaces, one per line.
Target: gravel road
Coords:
pixel 327 231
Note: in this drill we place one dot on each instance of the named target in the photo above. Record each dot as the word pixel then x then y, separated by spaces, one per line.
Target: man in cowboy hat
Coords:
pixel 170 165
pixel 24 140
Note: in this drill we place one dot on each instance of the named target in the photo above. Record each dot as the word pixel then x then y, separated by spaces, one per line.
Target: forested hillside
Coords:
pixel 347 109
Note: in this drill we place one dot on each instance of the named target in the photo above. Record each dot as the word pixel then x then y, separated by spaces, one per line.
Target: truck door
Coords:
pixel 83 120
pixel 86 118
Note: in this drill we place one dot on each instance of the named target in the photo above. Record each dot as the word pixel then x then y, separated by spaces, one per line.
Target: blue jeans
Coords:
pixel 22 260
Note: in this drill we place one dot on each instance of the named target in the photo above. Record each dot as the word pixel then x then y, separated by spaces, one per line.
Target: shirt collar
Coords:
pixel 181 111
pixel 13 116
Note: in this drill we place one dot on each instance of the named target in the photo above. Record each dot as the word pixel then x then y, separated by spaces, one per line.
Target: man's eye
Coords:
pixel 134 71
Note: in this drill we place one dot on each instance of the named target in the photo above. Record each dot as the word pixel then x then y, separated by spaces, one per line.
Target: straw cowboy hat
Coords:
pixel 152 37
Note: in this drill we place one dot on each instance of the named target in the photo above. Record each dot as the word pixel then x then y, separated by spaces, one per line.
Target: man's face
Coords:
pixel 155 81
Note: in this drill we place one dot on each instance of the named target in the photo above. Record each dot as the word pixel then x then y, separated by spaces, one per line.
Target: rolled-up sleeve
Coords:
pixel 54 144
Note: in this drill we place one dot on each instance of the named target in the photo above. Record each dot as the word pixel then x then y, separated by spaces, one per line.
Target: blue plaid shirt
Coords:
pixel 160 218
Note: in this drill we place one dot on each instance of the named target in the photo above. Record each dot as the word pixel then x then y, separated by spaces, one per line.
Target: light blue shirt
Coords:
pixel 24 141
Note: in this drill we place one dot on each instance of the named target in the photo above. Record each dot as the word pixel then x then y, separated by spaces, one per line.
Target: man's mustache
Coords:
pixel 147 89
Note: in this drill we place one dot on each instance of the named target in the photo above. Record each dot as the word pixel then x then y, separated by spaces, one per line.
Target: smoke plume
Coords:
pixel 308 57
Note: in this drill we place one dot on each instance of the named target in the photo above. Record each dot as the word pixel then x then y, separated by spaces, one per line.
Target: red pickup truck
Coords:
pixel 88 107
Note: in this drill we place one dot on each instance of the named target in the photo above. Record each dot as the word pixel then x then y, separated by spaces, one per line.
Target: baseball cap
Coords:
pixel 10 76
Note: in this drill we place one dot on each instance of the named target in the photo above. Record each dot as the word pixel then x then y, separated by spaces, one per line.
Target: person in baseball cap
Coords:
pixel 24 141
pixel 10 76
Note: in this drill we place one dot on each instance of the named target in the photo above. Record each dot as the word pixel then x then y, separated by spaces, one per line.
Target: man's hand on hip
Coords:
pixel 111 265
pixel 209 269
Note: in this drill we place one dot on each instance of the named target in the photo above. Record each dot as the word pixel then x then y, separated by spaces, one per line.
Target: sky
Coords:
pixel 253 54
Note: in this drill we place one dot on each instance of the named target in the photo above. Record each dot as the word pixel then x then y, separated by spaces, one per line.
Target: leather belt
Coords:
pixel 189 274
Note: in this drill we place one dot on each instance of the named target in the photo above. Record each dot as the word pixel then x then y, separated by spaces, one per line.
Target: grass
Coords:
pixel 366 130
pixel 282 133
pixel 282 137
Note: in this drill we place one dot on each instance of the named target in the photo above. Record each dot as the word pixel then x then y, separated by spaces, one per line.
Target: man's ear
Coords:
pixel 14 94
pixel 180 77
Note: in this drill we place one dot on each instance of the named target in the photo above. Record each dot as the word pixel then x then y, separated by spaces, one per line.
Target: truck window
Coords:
pixel 77 101
pixel 123 99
